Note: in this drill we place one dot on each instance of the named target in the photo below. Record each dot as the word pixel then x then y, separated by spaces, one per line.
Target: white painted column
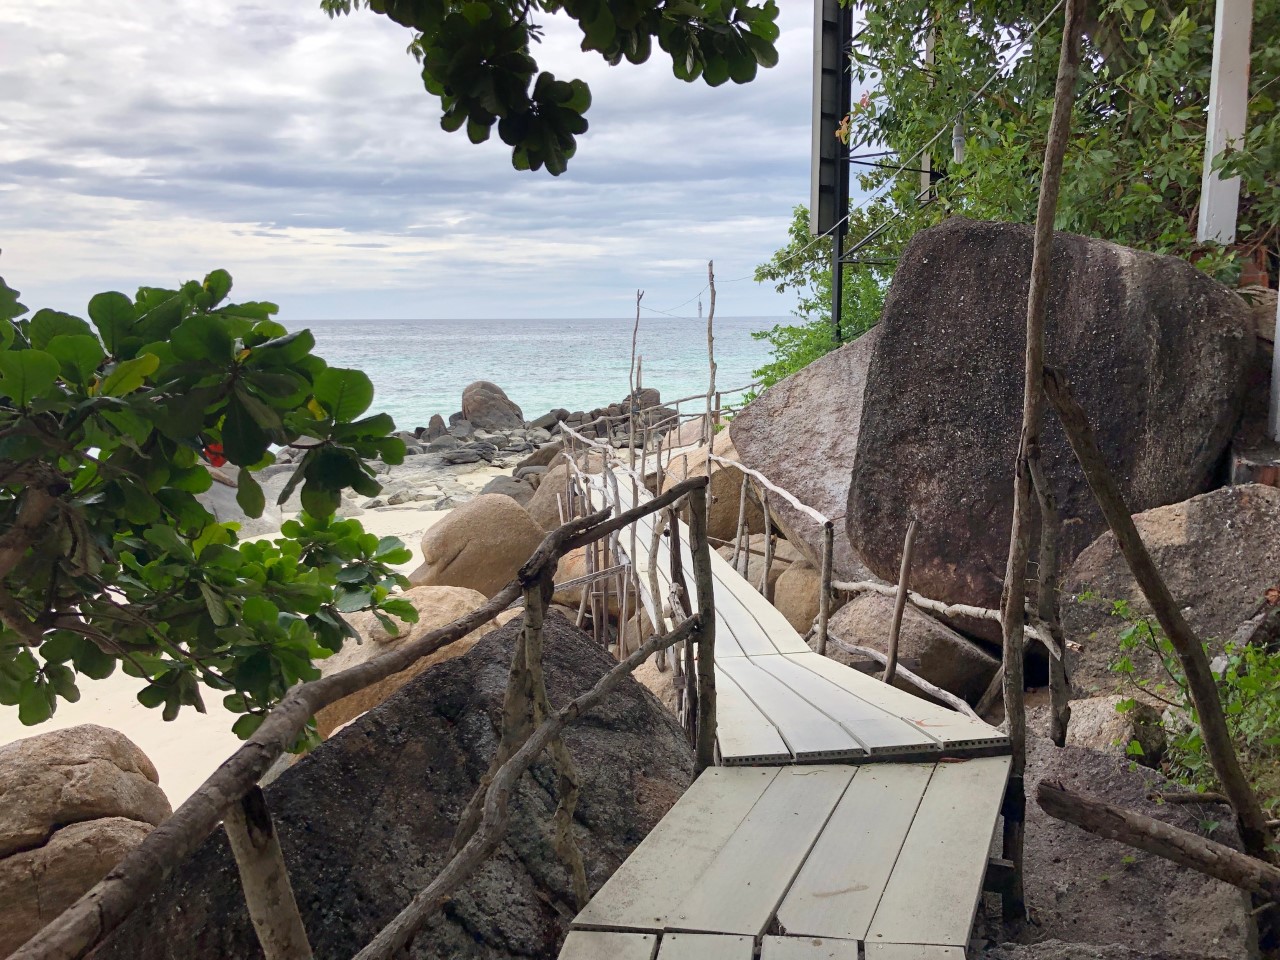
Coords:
pixel 1228 101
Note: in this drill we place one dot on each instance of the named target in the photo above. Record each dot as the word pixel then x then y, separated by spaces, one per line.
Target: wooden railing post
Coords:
pixel 265 879
pixel 740 536
pixel 680 595
pixel 824 598
pixel 706 632
pixel 900 602
pixel 765 586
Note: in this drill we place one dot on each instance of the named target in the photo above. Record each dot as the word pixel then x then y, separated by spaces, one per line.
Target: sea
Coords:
pixel 420 367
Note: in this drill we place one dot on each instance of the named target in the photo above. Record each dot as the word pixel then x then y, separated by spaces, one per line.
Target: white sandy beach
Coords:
pixel 186 750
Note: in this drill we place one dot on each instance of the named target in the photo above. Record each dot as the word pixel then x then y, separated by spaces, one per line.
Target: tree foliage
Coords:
pixel 108 558
pixel 476 57
pixel 1134 164
pixel 804 266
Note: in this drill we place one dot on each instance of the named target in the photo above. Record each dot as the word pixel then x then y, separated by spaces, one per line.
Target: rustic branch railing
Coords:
pixel 529 728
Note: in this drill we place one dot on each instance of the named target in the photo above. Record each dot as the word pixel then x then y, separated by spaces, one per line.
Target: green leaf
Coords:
pixel 218 284
pixel 35 704
pixel 202 338
pixel 1148 18
pixel 47 324
pixel 79 355
pixel 27 374
pixel 113 314
pixel 217 607
pixel 344 394
pixel 9 305
pixel 249 495
pixel 245 726
pixel 243 440
pixel 129 375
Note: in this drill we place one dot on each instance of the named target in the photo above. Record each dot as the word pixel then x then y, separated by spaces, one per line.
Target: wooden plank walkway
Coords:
pixel 848 818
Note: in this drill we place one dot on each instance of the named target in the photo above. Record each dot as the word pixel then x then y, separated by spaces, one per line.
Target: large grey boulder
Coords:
pixel 1155 351
pixel 1219 553
pixel 926 646
pixel 486 407
pixel 802 433
pixel 365 820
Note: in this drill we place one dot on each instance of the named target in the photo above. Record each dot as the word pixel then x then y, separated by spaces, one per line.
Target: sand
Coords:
pixel 186 750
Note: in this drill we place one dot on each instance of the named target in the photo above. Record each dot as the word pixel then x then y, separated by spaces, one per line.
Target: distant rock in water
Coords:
pixel 436 427
pixel 487 407
pixel 365 820
pixel 1156 352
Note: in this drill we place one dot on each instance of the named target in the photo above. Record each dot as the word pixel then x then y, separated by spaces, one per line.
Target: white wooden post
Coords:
pixel 1228 102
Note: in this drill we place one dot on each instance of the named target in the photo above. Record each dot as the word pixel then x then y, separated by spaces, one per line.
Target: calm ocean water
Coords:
pixel 419 367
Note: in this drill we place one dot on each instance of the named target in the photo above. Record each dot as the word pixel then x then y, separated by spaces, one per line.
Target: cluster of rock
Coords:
pixel 72 803
pixel 366 819
pixel 920 419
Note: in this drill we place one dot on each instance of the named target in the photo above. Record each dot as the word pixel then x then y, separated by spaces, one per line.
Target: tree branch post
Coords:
pixel 1047 599
pixel 264 879
pixel 900 603
pixel 824 598
pixel 706 632
pixel 1251 821
pixel 1013 601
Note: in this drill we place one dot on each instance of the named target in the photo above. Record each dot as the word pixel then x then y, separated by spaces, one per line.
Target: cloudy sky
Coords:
pixel 150 141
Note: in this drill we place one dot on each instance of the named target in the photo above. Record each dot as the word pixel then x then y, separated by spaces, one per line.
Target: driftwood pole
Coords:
pixel 824 598
pixel 740 536
pixel 1181 846
pixel 1250 820
pixel 766 587
pixel 1047 599
pixel 265 879
pixel 711 357
pixel 631 400
pixel 680 595
pixel 1013 601
pixel 900 603
pixel 706 633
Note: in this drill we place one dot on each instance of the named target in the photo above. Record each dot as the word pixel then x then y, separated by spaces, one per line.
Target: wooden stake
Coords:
pixel 265 879
pixel 711 353
pixel 740 536
pixel 1250 820
pixel 1014 597
pixel 900 603
pixel 765 586
pixel 1154 836
pixel 1047 599
pixel 706 633
pixel 824 599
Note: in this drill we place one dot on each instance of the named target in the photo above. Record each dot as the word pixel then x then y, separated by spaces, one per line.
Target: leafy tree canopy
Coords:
pixel 476 56
pixel 1133 168
pixel 107 557
pixel 1134 164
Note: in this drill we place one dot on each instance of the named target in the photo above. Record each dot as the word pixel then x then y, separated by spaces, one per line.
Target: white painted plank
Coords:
pixel 668 862
pixel 913 951
pixel 877 731
pixel 743 733
pixel 954 731
pixel 944 858
pixel 1226 114
pixel 809 733
pixel 808 948
pixel 740 890
pixel 591 945
pixel 840 884
pixel 705 946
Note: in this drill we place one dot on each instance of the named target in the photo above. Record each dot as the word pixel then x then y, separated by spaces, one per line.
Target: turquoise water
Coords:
pixel 419 367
